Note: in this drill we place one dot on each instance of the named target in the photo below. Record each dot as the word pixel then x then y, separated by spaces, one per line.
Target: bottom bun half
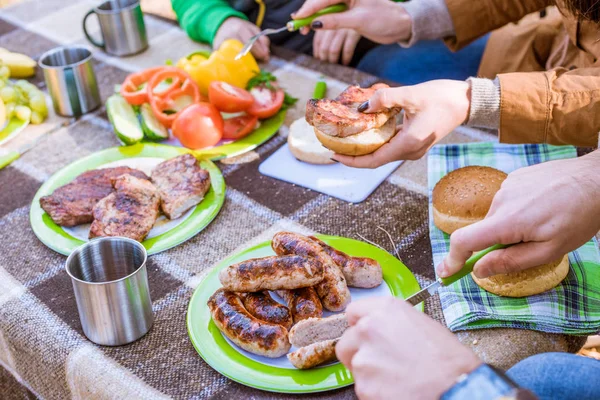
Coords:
pixel 360 144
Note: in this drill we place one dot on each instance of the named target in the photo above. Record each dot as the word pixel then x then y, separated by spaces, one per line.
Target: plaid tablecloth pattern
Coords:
pixel 43 351
pixel 573 307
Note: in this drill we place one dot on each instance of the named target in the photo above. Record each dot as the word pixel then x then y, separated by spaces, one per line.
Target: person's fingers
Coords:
pixel 264 44
pixel 383 99
pixel 347 346
pixel 326 38
pixel 335 46
pixel 304 30
pixel 317 42
pixel 361 308
pixel 312 6
pixel 350 43
pixel 515 258
pixel 464 241
pixel 345 20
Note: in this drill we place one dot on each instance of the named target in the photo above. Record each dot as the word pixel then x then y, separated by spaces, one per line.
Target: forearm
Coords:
pixel 430 20
pixel 201 19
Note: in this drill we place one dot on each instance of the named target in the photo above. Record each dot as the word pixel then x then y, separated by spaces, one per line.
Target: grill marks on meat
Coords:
pixel 130 211
pixel 262 306
pixel 258 337
pixel 73 203
pixel 181 184
pixel 341 118
pixel 303 303
pixel 272 273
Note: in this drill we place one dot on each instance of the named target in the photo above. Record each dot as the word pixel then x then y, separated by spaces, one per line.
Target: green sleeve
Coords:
pixel 201 19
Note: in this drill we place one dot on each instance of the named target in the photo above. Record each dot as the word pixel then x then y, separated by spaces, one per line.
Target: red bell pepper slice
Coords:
pixel 181 85
pixel 130 89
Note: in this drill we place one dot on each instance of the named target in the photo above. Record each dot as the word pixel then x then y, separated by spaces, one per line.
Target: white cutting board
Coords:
pixel 349 184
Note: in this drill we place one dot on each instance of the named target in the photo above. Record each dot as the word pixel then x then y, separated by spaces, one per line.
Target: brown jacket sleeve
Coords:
pixel 475 18
pixel 556 107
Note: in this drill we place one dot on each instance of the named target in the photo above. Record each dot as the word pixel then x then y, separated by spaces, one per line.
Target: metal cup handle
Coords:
pixel 87 35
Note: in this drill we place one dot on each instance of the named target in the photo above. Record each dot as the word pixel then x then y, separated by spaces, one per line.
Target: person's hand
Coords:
pixel 242 30
pixel 330 45
pixel 553 208
pixel 392 348
pixel 382 21
pixel 431 111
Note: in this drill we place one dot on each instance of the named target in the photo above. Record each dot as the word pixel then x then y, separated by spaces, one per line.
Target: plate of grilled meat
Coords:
pixel 158 195
pixel 269 317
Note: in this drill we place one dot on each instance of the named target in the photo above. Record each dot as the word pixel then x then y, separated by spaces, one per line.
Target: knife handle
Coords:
pixel 7 158
pixel 296 24
pixel 468 267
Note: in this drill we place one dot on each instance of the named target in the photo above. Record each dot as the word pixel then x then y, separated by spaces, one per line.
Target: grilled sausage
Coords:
pixel 272 273
pixel 314 330
pixel 359 272
pixel 262 306
pixel 258 337
pixel 333 290
pixel 303 303
pixel 314 354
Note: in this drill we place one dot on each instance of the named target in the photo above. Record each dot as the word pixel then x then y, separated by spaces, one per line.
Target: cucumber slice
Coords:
pixel 153 129
pixel 124 121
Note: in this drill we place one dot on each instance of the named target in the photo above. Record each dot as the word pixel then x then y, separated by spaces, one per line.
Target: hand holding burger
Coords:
pixel 549 209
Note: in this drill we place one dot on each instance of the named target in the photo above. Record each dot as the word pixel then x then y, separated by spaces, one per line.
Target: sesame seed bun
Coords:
pixel 464 196
pixel 361 143
pixel 531 281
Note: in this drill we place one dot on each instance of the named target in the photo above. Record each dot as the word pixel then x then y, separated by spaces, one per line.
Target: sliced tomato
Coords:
pixel 133 88
pixel 198 126
pixel 266 102
pixel 239 127
pixel 228 98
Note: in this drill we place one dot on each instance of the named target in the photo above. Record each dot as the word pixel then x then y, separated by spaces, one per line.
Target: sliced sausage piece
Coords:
pixel 272 273
pixel 333 290
pixel 303 303
pixel 249 333
pixel 262 306
pixel 360 272
pixel 314 354
pixel 313 330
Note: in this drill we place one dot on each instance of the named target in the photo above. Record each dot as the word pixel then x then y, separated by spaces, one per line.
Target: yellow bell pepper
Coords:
pixel 220 65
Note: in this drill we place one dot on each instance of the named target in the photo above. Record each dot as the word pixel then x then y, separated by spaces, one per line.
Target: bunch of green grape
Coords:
pixel 22 99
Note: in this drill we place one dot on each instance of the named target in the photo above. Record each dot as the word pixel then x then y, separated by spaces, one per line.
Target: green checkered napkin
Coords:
pixel 571 308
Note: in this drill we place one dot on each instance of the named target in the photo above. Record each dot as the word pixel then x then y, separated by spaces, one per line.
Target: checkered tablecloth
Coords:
pixel 43 351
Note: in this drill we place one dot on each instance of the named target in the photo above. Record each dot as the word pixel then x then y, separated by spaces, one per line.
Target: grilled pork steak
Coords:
pixel 72 204
pixel 341 118
pixel 181 184
pixel 130 211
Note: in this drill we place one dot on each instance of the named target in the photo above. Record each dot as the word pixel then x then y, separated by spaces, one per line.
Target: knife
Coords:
pixel 291 26
pixel 432 289
pixel 8 156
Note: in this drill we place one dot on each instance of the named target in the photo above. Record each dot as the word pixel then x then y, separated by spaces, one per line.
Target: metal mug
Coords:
pixel 111 289
pixel 70 79
pixel 122 27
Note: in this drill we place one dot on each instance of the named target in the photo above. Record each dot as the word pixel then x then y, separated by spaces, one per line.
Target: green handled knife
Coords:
pixel 291 26
pixel 8 156
pixel 432 289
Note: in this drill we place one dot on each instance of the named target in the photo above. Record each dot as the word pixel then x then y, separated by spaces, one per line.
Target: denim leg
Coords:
pixel 559 376
pixel 423 62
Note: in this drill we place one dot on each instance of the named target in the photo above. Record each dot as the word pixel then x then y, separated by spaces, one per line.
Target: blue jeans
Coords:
pixel 559 376
pixel 423 62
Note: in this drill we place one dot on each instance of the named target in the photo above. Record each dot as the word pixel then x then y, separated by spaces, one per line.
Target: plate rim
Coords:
pixel 212 274
pixel 36 213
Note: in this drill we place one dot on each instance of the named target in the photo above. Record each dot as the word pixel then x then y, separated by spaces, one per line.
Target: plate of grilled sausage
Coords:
pixel 155 194
pixel 270 316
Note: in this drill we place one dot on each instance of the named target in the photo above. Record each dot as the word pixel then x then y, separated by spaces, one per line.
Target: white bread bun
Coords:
pixel 464 196
pixel 361 143
pixel 531 281
pixel 303 144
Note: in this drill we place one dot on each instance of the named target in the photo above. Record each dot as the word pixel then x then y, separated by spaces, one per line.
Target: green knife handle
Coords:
pixel 8 158
pixel 296 24
pixel 468 268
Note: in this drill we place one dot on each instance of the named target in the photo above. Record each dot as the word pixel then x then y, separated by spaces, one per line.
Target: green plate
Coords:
pixel 59 240
pixel 12 129
pixel 265 131
pixel 223 357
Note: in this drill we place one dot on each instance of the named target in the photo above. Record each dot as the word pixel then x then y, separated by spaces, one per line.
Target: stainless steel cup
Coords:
pixel 70 79
pixel 111 289
pixel 122 27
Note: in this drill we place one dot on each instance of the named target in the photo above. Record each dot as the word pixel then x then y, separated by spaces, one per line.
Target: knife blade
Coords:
pixel 432 289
